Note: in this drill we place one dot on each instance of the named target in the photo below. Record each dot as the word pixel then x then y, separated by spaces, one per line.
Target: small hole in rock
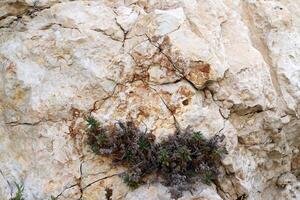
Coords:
pixel 185 102
pixel 108 193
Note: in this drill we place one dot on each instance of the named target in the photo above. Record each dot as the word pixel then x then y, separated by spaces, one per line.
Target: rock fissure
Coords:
pixel 220 67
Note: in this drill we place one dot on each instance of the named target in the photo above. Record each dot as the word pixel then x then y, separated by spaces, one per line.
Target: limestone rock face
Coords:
pixel 221 67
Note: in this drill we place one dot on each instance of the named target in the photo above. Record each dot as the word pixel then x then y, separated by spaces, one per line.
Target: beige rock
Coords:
pixel 221 67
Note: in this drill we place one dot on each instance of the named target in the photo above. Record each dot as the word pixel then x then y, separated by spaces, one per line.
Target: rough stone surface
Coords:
pixel 228 67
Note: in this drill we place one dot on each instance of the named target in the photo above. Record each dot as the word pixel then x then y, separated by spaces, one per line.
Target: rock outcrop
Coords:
pixel 222 67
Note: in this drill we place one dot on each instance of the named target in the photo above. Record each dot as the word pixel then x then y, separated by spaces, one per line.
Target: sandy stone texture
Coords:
pixel 228 67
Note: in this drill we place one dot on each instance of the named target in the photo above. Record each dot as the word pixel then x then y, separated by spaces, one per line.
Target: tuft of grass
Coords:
pixel 92 122
pixel 19 193
pixel 198 136
pixel 179 160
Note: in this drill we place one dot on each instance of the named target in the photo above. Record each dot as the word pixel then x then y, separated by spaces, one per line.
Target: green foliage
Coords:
pixel 131 181
pixel 163 157
pixel 92 122
pixel 53 198
pixel 19 193
pixel 208 178
pixel 128 155
pixel 197 136
pixel 100 139
pixel 143 143
pixel 184 154
pixel 179 160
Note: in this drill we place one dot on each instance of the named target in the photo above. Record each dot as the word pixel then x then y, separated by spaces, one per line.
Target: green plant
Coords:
pixel 208 177
pixel 184 154
pixel 92 122
pixel 19 193
pixel 143 143
pixel 179 160
pixel 163 157
pixel 197 136
pixel 131 181
pixel 100 139
pixel 128 156
pixel 53 198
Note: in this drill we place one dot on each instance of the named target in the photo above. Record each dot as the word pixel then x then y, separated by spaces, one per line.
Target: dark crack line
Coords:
pixel 29 11
pixel 78 184
pixel 104 33
pixel 100 179
pixel 165 83
pixel 80 180
pixel 17 19
pixel 60 25
pixel 225 118
pixel 95 174
pixel 177 125
pixel 224 124
pixel 123 30
pixel 110 176
pixel 16 123
pixel 173 64
pixel 69 187
pixel 109 95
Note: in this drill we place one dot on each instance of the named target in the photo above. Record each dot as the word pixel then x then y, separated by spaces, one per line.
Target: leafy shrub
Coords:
pixel 179 159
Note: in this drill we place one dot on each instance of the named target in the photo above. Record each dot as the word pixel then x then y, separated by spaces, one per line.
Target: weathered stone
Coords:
pixel 220 67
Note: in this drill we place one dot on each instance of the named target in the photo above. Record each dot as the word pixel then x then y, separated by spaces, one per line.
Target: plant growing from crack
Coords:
pixel 19 193
pixel 53 198
pixel 197 136
pixel 132 180
pixel 92 122
pixel 179 159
